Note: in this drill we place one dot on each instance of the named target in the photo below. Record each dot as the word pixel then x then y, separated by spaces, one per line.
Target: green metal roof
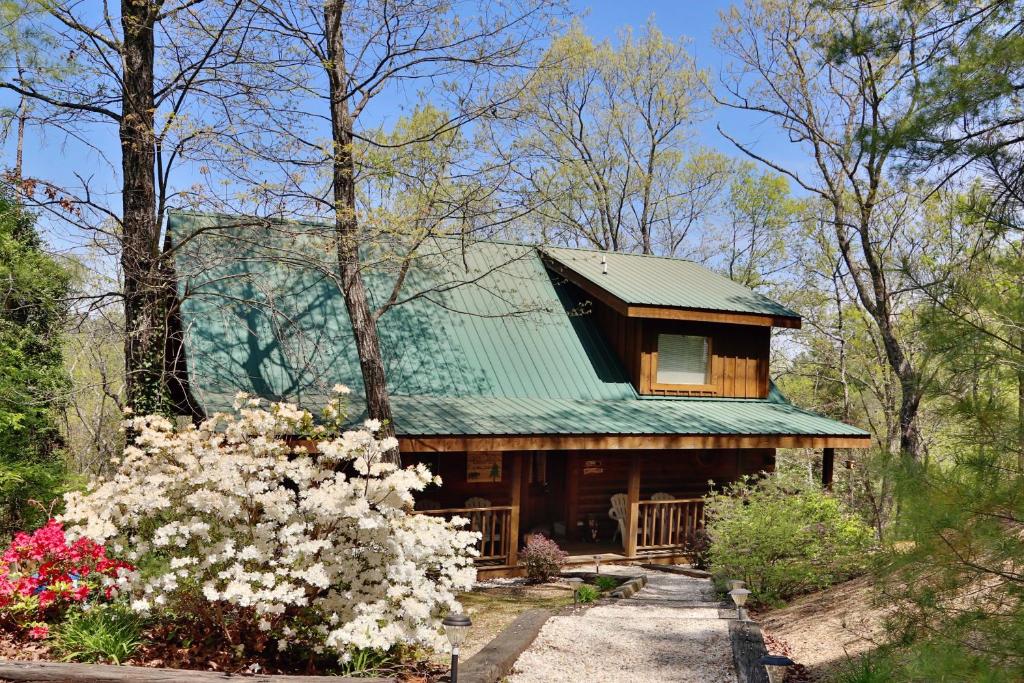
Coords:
pixel 496 345
pixel 657 281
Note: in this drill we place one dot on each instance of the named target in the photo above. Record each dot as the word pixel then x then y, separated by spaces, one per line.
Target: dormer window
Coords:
pixel 683 360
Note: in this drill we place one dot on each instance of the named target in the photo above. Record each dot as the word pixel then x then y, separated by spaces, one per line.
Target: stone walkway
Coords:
pixel 669 631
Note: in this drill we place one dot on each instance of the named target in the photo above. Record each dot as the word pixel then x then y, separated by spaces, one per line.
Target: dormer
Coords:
pixel 678 328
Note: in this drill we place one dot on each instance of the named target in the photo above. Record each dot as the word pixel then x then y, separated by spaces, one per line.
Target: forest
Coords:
pixel 859 161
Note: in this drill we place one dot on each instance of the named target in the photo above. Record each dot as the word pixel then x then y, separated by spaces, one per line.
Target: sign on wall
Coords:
pixel 592 467
pixel 483 467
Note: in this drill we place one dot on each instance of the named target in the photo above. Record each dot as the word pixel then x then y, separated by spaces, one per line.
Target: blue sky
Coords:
pixel 57 159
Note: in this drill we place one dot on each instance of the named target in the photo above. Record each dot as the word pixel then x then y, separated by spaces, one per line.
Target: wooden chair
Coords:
pixel 661 495
pixel 619 511
pixel 477 502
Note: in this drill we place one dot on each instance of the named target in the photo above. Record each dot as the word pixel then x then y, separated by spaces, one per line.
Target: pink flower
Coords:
pixel 80 593
pixel 39 631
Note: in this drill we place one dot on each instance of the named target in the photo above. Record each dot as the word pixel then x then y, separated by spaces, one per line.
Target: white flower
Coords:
pixel 340 564
pixel 341 390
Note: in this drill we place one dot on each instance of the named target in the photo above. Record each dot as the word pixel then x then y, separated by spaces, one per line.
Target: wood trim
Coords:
pixel 633 497
pixel 667 312
pixel 704 315
pixel 828 458
pixel 649 383
pixel 569 442
pixel 517 491
pixel 572 492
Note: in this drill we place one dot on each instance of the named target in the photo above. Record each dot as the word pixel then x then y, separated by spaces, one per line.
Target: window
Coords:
pixel 682 359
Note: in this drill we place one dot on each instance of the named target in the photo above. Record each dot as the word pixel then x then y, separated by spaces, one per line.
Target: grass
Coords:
pixel 104 633
pixel 492 609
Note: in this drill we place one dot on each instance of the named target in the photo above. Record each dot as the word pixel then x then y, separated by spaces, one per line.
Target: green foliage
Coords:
pixel 32 378
pixel 783 537
pixel 606 583
pixel 586 594
pixel 101 633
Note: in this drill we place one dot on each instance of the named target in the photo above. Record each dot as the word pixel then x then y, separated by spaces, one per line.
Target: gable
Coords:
pixel 639 285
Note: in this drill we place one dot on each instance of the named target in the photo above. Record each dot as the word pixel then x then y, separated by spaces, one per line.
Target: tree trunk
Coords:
pixel 364 326
pixel 146 306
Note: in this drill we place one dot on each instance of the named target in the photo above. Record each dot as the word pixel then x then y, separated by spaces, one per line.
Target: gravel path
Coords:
pixel 669 631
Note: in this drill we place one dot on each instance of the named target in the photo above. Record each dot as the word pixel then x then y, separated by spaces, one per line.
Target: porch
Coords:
pixel 622 507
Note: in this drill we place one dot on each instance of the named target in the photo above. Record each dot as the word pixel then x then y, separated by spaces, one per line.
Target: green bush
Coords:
pixel 586 594
pixel 102 633
pixel 606 583
pixel 783 537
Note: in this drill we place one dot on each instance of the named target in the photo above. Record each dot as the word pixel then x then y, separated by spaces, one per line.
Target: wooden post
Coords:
pixel 633 495
pixel 517 500
pixel 572 501
pixel 828 457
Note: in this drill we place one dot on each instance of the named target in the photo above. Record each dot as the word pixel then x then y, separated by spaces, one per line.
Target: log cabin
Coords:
pixel 590 396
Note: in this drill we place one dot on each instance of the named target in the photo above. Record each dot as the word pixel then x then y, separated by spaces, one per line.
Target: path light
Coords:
pixel 736 583
pixel 776 666
pixel 739 596
pixel 597 563
pixel 575 583
pixel 455 627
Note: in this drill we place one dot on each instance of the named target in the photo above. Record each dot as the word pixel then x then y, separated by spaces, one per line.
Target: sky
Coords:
pixel 54 158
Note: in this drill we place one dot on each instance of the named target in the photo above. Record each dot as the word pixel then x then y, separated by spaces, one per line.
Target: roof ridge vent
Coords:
pixel 604 264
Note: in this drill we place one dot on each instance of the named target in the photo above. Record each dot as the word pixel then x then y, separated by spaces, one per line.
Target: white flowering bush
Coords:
pixel 272 546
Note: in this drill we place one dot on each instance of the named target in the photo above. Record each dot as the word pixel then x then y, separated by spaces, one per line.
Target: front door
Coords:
pixel 543 503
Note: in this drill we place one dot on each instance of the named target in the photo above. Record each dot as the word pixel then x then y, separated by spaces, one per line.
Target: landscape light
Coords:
pixel 776 666
pixel 455 627
pixel 575 583
pixel 739 596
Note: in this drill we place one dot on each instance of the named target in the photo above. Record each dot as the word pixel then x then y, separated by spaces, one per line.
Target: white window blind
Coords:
pixel 682 359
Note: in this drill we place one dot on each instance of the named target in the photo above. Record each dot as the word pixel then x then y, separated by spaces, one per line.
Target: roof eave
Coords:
pixel 554 442
pixel 667 312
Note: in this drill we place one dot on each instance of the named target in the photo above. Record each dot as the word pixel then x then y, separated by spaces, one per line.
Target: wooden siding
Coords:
pixel 739 354
pixel 683 474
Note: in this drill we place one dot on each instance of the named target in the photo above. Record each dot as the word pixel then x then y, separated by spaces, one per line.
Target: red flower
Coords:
pixel 39 631
pixel 46 599
pixel 80 593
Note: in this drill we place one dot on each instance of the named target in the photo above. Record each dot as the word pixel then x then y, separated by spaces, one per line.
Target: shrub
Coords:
pixel 104 633
pixel 273 549
pixel 587 594
pixel 606 583
pixel 542 557
pixel 42 575
pixel 783 537
pixel 698 545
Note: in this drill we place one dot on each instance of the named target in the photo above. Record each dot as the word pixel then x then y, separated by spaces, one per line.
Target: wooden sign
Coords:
pixel 591 467
pixel 483 467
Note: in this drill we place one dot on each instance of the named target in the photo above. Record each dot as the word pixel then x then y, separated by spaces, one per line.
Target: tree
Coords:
pixel 839 105
pixel 347 57
pixel 605 133
pixel 761 221
pixel 140 71
pixel 33 383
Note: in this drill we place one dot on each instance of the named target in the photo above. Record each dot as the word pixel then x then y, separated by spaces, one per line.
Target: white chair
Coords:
pixel 619 511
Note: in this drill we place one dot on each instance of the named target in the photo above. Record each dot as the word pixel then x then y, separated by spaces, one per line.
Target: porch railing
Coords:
pixel 494 525
pixel 663 524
